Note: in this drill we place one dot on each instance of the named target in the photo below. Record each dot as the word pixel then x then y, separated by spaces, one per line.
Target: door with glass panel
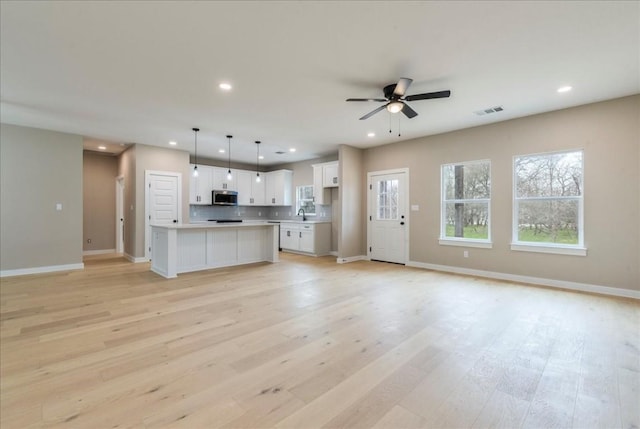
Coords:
pixel 388 217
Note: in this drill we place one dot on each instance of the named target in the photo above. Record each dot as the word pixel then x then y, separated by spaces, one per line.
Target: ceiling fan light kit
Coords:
pixel 395 99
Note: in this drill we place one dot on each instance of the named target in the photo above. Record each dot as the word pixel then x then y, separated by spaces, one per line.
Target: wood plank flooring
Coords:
pixel 308 343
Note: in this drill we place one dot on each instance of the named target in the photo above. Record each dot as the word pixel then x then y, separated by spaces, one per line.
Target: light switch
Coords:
pixel 415 208
pixel 59 207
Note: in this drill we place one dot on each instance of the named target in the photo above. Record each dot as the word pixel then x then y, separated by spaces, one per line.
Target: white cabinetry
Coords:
pixel 250 192
pixel 330 175
pixel 309 238
pixel 278 188
pixel 220 181
pixel 321 195
pixel 200 187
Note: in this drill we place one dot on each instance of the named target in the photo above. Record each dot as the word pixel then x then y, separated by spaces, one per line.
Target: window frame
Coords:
pixel 312 199
pixel 486 243
pixel 578 249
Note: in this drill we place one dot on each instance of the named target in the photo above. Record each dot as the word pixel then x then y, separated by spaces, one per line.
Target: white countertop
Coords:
pixel 206 224
pixel 244 223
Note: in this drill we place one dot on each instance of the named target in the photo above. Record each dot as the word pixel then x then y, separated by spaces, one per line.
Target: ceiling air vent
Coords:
pixel 280 152
pixel 489 110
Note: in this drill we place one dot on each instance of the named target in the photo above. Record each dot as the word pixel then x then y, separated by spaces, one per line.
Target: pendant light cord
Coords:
pixel 229 150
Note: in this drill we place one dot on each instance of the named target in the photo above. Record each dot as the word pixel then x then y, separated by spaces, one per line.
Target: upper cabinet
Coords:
pixel 250 192
pixel 278 188
pixel 321 195
pixel 330 174
pixel 220 181
pixel 200 187
pixel 325 176
pixel 273 189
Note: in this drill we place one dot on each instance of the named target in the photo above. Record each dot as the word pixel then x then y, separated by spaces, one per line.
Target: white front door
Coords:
pixel 388 216
pixel 163 202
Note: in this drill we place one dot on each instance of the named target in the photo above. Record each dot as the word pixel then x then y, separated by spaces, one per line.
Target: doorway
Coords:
pixel 388 226
pixel 162 202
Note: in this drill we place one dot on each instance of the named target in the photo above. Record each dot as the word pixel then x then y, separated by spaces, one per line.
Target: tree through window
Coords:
pixel 466 193
pixel 548 199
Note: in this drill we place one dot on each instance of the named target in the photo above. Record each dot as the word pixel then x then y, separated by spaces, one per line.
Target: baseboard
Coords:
pixel 98 252
pixel 134 259
pixel 41 270
pixel 333 253
pixel 561 284
pixel 351 259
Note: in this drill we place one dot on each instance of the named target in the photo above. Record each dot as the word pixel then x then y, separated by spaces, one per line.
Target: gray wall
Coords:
pixel 351 222
pixel 99 201
pixel 609 134
pixel 127 169
pixel 40 168
pixel 158 159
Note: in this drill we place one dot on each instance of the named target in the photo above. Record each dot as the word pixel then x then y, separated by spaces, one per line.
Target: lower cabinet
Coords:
pixel 308 238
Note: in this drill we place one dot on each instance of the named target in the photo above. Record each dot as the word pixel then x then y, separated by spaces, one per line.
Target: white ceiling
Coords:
pixel 147 72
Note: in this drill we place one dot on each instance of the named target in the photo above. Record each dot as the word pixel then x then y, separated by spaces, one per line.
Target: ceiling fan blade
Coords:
pixel 402 86
pixel 367 99
pixel 370 114
pixel 408 111
pixel 428 95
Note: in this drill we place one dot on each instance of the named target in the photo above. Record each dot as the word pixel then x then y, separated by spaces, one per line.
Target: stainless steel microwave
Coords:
pixel 224 198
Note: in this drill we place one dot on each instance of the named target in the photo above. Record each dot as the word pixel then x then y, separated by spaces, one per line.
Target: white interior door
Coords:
pixel 119 215
pixel 163 202
pixel 388 216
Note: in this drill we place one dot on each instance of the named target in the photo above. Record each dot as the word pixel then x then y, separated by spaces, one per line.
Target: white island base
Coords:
pixel 182 248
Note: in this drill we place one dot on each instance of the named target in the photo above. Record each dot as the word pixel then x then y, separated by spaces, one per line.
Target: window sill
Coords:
pixel 466 243
pixel 558 250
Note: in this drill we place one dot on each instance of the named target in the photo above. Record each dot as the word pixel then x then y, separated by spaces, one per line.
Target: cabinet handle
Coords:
pixel 288 233
pixel 335 180
pixel 300 235
pixel 273 200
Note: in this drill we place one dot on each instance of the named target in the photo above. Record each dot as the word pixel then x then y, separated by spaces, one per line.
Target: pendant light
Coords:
pixel 195 167
pixel 258 162
pixel 229 176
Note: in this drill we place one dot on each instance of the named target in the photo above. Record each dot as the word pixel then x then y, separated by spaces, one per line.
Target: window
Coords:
pixel 466 194
pixel 387 201
pixel 547 209
pixel 304 200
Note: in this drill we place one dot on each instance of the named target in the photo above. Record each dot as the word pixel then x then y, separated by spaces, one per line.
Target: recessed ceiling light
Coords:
pixel 102 147
pixel 565 89
pixel 221 150
pixel 172 143
pixel 225 86
pixel 371 135
pixel 261 157
pixel 293 149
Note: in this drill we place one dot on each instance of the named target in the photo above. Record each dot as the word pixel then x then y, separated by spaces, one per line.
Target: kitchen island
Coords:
pixel 182 248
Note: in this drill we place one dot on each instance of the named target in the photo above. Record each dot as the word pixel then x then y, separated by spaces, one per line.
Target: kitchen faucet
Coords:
pixel 303 215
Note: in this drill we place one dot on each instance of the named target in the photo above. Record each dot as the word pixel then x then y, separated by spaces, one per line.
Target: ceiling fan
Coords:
pixel 395 99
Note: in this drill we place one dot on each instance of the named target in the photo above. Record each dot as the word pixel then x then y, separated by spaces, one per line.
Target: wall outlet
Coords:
pixel 465 253
pixel 276 213
pixel 59 207
pixel 415 208
pixel 89 240
pixel 259 214
pixel 289 214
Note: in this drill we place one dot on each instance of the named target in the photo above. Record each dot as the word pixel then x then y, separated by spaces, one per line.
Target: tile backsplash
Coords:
pixel 204 213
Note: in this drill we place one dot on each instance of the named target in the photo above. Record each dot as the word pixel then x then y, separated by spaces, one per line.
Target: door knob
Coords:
pixel 401 223
pixel 175 221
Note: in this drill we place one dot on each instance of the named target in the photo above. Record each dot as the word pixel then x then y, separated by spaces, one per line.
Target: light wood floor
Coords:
pixel 309 343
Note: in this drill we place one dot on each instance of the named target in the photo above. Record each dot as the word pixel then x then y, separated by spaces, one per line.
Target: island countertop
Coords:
pixel 181 248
